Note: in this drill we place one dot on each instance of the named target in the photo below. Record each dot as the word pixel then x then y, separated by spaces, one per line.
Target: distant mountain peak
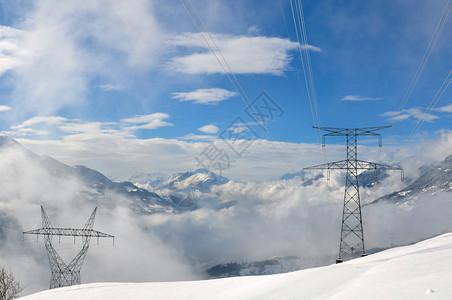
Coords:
pixel 6 141
pixel 432 179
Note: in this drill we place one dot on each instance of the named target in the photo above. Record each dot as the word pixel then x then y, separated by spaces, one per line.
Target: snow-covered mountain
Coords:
pixel 201 179
pixel 432 179
pixel 95 186
pixel 418 271
pixel 150 181
pixel 183 189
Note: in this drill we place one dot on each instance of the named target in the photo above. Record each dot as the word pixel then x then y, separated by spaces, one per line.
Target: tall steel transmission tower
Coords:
pixel 62 274
pixel 352 236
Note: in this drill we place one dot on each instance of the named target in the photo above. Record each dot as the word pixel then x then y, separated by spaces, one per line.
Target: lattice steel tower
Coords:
pixel 62 274
pixel 352 236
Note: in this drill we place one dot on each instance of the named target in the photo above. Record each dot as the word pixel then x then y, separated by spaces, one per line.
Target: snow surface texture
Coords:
pixel 418 271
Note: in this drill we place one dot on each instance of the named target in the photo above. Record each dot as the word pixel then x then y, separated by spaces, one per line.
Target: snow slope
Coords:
pixel 419 271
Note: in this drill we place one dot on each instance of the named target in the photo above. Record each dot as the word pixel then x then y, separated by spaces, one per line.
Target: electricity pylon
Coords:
pixel 62 274
pixel 352 236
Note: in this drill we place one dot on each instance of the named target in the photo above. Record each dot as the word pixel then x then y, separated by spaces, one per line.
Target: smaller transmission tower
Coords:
pixel 352 235
pixel 62 274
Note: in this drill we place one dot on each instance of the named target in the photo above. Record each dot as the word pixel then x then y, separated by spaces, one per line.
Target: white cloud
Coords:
pixel 9 50
pixel 209 129
pixel 72 129
pixel 57 64
pixel 40 120
pixel 447 108
pixel 390 114
pixel 151 121
pixel 198 137
pixel 400 117
pixel 111 87
pixel 311 48
pixel 205 96
pixel 358 98
pixel 244 54
pixel 115 150
pixel 145 118
pixel 405 114
pixel 5 108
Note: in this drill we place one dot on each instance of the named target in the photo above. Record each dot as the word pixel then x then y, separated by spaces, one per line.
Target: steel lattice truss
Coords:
pixel 352 236
pixel 63 274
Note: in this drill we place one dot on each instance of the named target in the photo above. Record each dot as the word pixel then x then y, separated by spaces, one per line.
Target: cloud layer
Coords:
pixel 29 182
pixel 114 148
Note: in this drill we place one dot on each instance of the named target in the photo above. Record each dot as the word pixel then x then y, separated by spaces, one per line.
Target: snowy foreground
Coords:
pixel 420 271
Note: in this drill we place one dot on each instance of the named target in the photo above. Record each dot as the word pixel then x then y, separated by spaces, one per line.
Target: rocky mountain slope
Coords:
pixel 432 179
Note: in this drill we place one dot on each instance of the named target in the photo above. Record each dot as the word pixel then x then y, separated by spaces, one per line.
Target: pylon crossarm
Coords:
pixel 353 131
pixel 367 165
pixel 69 232
pixel 337 165
pixel 361 165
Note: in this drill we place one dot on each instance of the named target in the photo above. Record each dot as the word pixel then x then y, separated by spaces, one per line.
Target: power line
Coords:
pixel 308 58
pixel 300 32
pixel 295 61
pixel 432 104
pixel 439 28
pixel 317 132
pixel 230 74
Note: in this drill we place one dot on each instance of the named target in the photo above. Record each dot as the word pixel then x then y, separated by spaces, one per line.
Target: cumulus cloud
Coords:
pixel 409 114
pixel 205 96
pixel 244 54
pixel 358 98
pixel 150 121
pixel 209 129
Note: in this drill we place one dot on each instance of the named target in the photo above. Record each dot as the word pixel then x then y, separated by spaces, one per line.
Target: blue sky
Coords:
pixel 132 87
